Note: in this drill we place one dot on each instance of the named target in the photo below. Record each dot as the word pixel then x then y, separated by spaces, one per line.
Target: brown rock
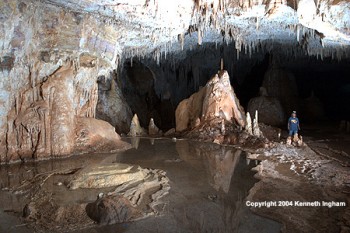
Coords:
pixel 42 122
pixel 111 210
pixel 216 100
pixel 94 135
pixel 152 128
pixel 170 132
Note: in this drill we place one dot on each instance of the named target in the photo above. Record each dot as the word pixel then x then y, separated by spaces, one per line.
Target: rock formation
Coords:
pixel 249 127
pixel 112 210
pixel 270 109
pixel 48 80
pixel 281 85
pixel 93 135
pixel 111 105
pixel 252 126
pixel 152 128
pixel 256 129
pixel 106 175
pixel 61 59
pixel 216 100
pixel 135 128
pixel 134 198
pixel 46 118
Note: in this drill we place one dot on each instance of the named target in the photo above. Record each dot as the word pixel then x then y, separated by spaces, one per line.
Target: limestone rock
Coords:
pixel 281 84
pixel 132 199
pixel 221 101
pixel 189 110
pixel 106 175
pixel 111 210
pixel 256 129
pixel 152 128
pixel 112 106
pixel 216 100
pixel 249 127
pixel 41 124
pixel 94 135
pixel 271 133
pixel 270 110
pixel 223 129
pixel 135 128
pixel 170 132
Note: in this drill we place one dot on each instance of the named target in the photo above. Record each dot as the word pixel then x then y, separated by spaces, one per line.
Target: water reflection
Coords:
pixel 220 162
pixel 135 142
pixel 208 185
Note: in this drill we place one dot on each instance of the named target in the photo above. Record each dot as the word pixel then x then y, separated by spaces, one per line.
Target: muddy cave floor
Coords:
pixel 209 187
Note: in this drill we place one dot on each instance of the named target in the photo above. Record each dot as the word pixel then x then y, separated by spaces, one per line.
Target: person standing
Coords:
pixel 293 124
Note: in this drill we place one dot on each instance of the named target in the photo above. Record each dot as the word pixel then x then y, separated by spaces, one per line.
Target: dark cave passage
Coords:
pixel 318 89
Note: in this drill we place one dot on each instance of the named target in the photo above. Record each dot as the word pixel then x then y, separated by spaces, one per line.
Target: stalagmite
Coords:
pixel 256 129
pixel 216 100
pixel 152 128
pixel 248 127
pixel 223 130
pixel 135 127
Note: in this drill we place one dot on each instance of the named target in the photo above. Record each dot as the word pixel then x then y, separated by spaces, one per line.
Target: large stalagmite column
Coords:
pixel 216 100
pixel 59 93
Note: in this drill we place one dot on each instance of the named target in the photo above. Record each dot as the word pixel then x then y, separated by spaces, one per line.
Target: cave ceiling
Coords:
pixel 157 27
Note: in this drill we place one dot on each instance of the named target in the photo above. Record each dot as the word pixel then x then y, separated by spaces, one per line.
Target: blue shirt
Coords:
pixel 293 123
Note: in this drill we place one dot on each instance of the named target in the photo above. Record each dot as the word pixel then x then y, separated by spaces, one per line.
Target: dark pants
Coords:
pixel 292 132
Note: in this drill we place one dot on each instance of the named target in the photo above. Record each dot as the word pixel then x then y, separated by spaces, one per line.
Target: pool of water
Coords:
pixel 208 183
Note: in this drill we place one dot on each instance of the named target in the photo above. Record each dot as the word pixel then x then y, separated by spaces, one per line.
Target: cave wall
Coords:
pixel 112 105
pixel 50 62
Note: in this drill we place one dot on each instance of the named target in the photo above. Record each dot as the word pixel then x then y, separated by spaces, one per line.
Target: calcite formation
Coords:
pixel 216 100
pixel 135 128
pixel 59 59
pixel 153 129
pixel 111 105
pixel 48 79
pixel 281 85
pixel 270 109
pixel 134 198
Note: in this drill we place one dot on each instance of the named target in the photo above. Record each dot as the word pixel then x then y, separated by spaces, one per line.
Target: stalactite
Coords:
pixel 181 38
pixel 298 32
pixel 199 33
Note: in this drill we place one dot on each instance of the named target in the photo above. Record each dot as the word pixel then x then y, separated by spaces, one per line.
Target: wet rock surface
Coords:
pixel 111 210
pixel 174 197
pixel 93 135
